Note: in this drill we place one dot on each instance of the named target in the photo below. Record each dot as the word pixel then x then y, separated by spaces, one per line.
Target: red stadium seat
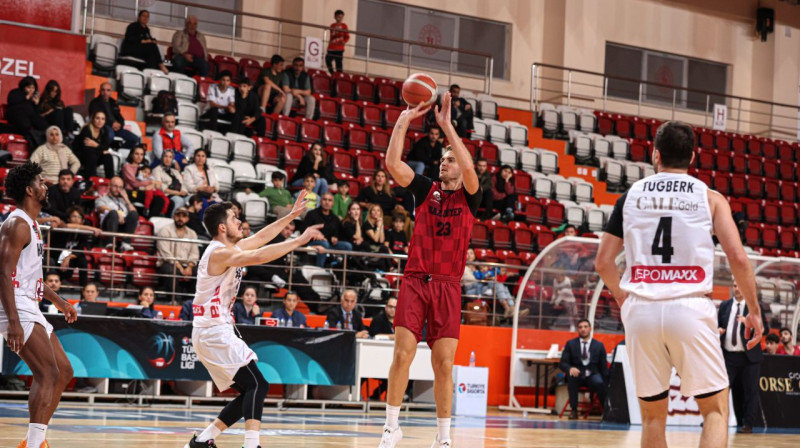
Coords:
pixel 371 114
pixel 724 161
pixel 391 114
pixel 379 139
pixel 624 126
pixel 350 111
pixel 788 215
pixel 754 166
pixel 752 236
pixel 788 238
pixel 770 236
pixel 480 235
pixel 387 91
pixel 739 185
pixel 287 128
pixel 768 148
pixel 771 169
pixel 321 83
pixel 523 237
pixel 270 120
pixel 704 158
pixel 544 236
pixel 753 147
pixel 343 87
pixel 522 182
pixel 755 187
pixel 721 182
pixel 740 164
pixel 327 107
pixel 366 163
pixel 789 191
pixel 754 211
pixel 785 151
pixel 365 89
pixel 226 63
pixel 787 171
pixel 293 153
pixel 723 141
pixel 334 134
pixel 249 68
pixel 772 189
pixel 310 131
pixel 342 161
pixel 501 235
pixel 641 131
pixel 554 214
pixel 268 151
pixel 489 152
pixel 739 146
pixel 640 150
pixel 17 146
pixel 357 137
pixel 144 228
pixel 532 209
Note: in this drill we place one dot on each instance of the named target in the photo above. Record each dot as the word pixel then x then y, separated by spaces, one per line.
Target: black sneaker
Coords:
pixel 195 444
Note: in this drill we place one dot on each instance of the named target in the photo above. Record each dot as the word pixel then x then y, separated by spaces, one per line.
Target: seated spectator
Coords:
pixel 564 298
pixel 141 186
pixel 311 198
pixel 177 260
pixel 331 228
pixel 189 49
pixel 485 181
pixel 237 208
pixel 346 316
pixel 246 232
pixel 461 112
pixel 296 84
pixel 74 246
pixel 480 281
pixel 221 99
pixel 115 122
pixel 313 163
pixel 248 119
pixel 140 44
pixel 772 344
pixel 21 112
pixel 63 195
pixel 170 138
pixel 200 179
pixel 396 240
pixel 147 298
pixel 279 198
pixel 54 111
pixel 289 313
pixel 352 229
pixel 268 86
pixel 383 324
pixel 187 313
pixel 787 346
pixel 117 213
pixel 90 292
pixel 503 192
pixel 342 199
pixel 171 180
pixel 246 310
pixel 55 156
pixel 584 361
pixel 194 205
pixel 380 193
pixel 375 236
pixel 426 153
pixel 91 147
pixel 53 281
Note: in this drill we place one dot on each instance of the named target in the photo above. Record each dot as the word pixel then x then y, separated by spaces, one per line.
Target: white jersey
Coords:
pixel 666 225
pixel 27 277
pixel 213 302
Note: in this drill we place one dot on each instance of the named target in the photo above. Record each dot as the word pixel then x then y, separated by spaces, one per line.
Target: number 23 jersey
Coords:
pixel 213 302
pixel 665 222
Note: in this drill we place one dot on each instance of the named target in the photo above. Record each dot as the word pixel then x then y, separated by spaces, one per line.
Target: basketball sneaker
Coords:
pixel 24 444
pixel 391 437
pixel 195 444
pixel 441 444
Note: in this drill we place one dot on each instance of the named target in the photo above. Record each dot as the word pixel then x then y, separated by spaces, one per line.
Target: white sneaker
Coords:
pixel 391 437
pixel 443 444
pixel 125 247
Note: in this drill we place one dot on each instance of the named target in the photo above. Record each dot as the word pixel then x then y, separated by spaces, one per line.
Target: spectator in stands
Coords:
pixel 426 153
pixel 279 198
pixel 55 156
pixel 54 111
pixel 21 112
pixel 237 208
pixel 246 232
pixel 347 316
pixel 144 190
pixel 186 310
pixel 485 180
pixel 396 240
pixel 53 281
pixel 296 84
pixel 74 246
pixel 379 192
pixel 90 292
pixel 352 230
pixel 170 138
pixel 585 363
pixel 342 199
pixel 308 185
pixel 332 228
pixel 194 205
pixel 115 122
pixel 461 112
pixel 177 260
pixel 221 101
pixel 91 147
pixel 140 44
pixel 117 213
pixel 570 230
pixel 314 163
pixel 268 86
pixel 147 298
pixel 189 49
pixel 288 312
pixel 248 120
pixel 63 195
pixel 772 344
pixel 246 310
pixel 481 281
pixel 339 37
pixel 199 179
pixel 374 229
pixel 171 180
pixel 503 191
pixel 383 322
pixel 787 346
pixel 565 299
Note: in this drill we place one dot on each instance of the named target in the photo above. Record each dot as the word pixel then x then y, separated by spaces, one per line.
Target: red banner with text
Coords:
pixel 47 13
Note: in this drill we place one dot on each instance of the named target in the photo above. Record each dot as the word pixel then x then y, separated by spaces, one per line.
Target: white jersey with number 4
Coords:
pixel 213 302
pixel 667 225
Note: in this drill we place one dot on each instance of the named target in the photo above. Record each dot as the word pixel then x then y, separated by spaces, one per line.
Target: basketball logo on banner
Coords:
pixel 313 52
pixel 430 35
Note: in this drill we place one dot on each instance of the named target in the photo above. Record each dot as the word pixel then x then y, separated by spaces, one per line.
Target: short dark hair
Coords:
pixel 19 179
pixel 570 226
pixel 454 86
pixel 277 175
pixel 276 59
pixel 298 58
pixel 481 159
pixel 337 12
pixel 785 329
pixel 309 175
pixel 66 172
pixel 236 203
pixel 225 73
pixel 142 12
pixel 215 215
pixel 244 80
pixel 193 199
pixel 28 81
pixel 585 320
pixel 434 128
pixel 675 144
pixel 49 273
pixel 74 208
pixel 772 337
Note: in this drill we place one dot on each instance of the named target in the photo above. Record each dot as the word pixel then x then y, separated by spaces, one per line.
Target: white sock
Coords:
pixel 36 435
pixel 251 439
pixel 443 425
pixel 392 415
pixel 210 433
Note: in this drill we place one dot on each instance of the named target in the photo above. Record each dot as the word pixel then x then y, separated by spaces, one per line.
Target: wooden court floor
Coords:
pixel 81 426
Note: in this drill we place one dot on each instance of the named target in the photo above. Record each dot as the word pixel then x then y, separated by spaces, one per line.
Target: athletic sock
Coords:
pixel 392 415
pixel 36 435
pixel 443 425
pixel 211 432
pixel 251 439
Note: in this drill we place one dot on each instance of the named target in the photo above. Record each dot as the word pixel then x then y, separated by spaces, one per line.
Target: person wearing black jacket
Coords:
pixel 347 315
pixel 584 361
pixel 383 322
pixel 314 163
pixel 115 122
pixel 743 365
pixel 426 152
pixel 248 118
pixel 54 111
pixel 21 113
pixel 139 43
pixel 91 147
pixel 63 195
pixel 332 228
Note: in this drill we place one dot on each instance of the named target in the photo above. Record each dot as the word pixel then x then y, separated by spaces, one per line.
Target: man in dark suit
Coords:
pixel 585 362
pixel 743 365
pixel 347 315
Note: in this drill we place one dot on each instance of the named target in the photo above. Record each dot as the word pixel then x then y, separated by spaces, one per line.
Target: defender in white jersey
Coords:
pixel 228 359
pixel 25 329
pixel 665 223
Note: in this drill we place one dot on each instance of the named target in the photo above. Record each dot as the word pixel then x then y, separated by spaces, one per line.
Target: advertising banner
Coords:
pixel 779 385
pixel 471 386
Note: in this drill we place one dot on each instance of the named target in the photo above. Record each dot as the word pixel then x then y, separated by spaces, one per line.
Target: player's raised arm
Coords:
pixel 14 236
pixel 269 232
pixel 463 157
pixel 400 171
pixel 222 258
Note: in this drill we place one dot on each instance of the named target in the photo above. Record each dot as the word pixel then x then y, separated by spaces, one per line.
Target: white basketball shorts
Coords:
pixel 222 352
pixel 28 317
pixel 680 333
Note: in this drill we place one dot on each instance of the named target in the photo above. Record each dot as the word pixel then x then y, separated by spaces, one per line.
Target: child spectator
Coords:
pixel 311 198
pixel 342 199
pixel 396 239
pixel 279 198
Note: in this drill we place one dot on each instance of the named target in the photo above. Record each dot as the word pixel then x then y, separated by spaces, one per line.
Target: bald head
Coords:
pixel 105 90
pixel 349 300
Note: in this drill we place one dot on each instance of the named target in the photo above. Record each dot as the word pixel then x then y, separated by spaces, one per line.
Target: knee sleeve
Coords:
pixel 254 387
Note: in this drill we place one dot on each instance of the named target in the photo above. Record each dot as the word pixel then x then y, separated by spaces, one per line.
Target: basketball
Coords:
pixel 418 89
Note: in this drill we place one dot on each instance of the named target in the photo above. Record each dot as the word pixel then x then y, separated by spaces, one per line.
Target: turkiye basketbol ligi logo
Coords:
pixel 161 351
pixel 462 388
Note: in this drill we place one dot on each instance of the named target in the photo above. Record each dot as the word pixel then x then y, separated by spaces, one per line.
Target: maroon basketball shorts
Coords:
pixel 428 298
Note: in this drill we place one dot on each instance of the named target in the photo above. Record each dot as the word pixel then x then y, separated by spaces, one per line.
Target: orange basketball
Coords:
pixel 419 88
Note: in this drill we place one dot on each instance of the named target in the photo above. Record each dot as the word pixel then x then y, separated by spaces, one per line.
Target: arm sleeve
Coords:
pixel 129 176
pixel 474 200
pixel 73 162
pixel 118 114
pixel 190 180
pixel 158 145
pixel 566 362
pixel 188 147
pixel 213 94
pixel 420 186
pixel 163 248
pixel 614 225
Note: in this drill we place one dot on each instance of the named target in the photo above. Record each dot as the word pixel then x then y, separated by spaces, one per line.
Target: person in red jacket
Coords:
pixel 339 37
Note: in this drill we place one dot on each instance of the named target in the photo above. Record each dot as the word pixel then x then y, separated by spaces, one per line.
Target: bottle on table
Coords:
pixel 160 315
pixel 472 359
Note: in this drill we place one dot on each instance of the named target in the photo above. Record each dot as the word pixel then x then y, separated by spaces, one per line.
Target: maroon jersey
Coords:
pixel 442 229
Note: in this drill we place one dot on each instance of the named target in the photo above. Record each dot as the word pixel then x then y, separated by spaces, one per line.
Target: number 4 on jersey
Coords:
pixel 664 238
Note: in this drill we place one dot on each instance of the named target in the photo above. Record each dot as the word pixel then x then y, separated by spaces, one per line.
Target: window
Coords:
pixel 172 16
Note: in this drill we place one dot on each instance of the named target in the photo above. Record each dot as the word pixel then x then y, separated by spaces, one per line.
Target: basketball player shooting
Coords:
pixel 669 319
pixel 431 289
pixel 25 329
pixel 230 362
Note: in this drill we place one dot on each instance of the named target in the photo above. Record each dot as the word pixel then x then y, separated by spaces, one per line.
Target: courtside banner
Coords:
pixel 124 348
pixel 779 386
